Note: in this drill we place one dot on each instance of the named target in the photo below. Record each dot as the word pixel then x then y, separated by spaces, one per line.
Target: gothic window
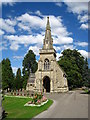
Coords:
pixel 46 64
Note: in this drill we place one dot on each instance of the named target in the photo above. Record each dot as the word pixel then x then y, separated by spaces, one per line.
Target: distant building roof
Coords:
pixel 31 78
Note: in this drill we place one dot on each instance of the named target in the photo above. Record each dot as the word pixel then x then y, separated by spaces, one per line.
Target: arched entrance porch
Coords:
pixel 46 84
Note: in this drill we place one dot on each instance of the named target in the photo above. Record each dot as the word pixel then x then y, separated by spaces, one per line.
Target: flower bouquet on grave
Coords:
pixel 37 99
pixel 43 99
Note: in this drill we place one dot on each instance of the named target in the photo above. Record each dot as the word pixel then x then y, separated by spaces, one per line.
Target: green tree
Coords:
pixel 89 77
pixel 85 73
pixel 0 75
pixel 18 80
pixel 72 63
pixel 29 63
pixel 7 74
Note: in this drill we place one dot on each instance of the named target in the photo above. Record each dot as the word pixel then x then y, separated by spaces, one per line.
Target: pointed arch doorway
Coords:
pixel 46 84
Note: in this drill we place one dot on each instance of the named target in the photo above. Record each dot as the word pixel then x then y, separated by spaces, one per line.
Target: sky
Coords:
pixel 22 27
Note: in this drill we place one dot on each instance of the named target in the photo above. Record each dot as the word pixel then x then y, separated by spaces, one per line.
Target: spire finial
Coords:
pixel 48 24
pixel 48 20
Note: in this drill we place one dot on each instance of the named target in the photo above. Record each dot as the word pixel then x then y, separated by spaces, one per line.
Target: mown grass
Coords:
pixel 14 108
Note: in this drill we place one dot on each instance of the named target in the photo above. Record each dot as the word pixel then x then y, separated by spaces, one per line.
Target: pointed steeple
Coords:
pixel 48 41
pixel 48 24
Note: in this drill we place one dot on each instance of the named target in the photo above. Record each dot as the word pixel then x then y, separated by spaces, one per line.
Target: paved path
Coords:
pixel 0 107
pixel 67 105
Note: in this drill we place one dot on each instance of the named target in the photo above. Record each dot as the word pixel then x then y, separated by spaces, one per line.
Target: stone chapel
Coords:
pixel 49 76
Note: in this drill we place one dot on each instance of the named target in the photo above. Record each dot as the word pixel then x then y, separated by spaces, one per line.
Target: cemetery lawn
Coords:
pixel 14 108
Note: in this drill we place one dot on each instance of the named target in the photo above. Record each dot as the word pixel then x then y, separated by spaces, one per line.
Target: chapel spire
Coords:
pixel 48 24
pixel 48 41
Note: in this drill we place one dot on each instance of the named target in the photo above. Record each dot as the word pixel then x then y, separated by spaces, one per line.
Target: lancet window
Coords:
pixel 46 64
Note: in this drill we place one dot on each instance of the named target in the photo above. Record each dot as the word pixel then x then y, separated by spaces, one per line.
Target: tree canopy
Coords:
pixel 9 80
pixel 18 80
pixel 7 74
pixel 29 64
pixel 75 66
pixel 71 61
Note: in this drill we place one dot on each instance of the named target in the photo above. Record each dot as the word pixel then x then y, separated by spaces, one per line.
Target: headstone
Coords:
pixel 23 92
pixel 19 92
pixel 14 92
pixel 30 93
pixel 27 93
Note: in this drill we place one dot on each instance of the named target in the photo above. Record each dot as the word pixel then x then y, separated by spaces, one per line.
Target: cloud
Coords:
pixel 33 21
pixel 80 9
pixel 16 41
pixel 10 22
pixel 14 46
pixel 83 18
pixel 84 26
pixel 8 2
pixel 17 57
pixel 68 47
pixel 6 27
pixel 2 48
pixel 1 32
pixel 38 13
pixel 35 49
pixel 28 19
pixel 30 23
pixel 57 27
pixel 61 48
pixel 57 48
pixel 84 53
pixel 59 4
pixel 82 44
pixel 62 40
pixel 77 7
pixel 58 55
pixel 14 70
pixel 3 45
pixel 24 27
